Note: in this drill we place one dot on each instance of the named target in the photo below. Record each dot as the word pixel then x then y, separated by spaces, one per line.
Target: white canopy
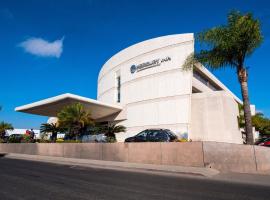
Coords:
pixel 51 106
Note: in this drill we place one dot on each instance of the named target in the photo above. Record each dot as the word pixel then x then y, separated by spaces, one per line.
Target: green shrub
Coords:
pixel 111 139
pixel 26 139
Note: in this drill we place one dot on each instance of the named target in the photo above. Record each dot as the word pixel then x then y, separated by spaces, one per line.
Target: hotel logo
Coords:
pixel 147 65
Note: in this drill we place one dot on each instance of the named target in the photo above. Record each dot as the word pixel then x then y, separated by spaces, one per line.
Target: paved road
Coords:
pixel 21 179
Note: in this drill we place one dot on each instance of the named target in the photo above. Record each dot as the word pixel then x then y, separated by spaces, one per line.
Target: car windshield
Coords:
pixel 171 134
pixel 266 140
pixel 263 140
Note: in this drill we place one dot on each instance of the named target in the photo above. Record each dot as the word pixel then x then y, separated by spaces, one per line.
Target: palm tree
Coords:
pixel 3 128
pixel 111 129
pixel 75 119
pixel 230 45
pixel 52 128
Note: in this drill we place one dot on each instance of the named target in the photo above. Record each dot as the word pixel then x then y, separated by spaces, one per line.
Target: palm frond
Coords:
pixel 75 118
pixel 230 44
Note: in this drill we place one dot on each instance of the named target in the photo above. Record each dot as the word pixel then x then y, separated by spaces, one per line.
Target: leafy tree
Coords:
pixel 52 128
pixel 75 119
pixel 261 124
pixel 110 131
pixel 3 128
pixel 241 118
pixel 228 46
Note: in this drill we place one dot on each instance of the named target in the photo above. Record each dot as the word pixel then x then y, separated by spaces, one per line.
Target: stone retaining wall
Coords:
pixel 221 156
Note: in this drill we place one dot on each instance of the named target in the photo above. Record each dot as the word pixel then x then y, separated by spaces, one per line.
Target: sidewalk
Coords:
pixel 197 171
pixel 194 172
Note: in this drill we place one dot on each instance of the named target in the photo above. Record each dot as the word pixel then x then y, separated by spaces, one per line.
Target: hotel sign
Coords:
pixel 149 64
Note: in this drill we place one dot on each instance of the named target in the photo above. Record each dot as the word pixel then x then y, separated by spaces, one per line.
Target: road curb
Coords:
pixel 181 170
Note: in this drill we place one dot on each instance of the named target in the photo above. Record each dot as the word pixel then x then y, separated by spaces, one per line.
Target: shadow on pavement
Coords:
pixel 2 155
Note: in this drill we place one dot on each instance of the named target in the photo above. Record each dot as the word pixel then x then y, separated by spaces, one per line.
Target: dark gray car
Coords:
pixel 153 135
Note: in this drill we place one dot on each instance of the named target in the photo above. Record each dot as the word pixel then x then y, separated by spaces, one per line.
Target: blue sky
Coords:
pixel 80 35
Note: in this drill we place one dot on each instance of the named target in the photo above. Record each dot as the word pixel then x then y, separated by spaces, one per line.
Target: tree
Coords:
pixel 52 128
pixel 75 119
pixel 241 118
pixel 111 129
pixel 3 128
pixel 229 46
pixel 261 124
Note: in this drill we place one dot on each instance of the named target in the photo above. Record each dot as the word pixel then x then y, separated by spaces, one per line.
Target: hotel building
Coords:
pixel 144 86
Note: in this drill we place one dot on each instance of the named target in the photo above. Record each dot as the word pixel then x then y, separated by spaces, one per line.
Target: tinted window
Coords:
pixel 157 135
pixel 263 140
pixel 142 134
pixel 171 134
pixel 161 136
pixel 152 133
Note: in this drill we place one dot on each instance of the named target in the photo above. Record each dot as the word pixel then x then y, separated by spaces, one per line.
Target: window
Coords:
pixel 161 136
pixel 118 82
pixel 195 90
pixel 153 133
pixel 157 136
pixel 171 134
pixel 206 81
pixel 142 134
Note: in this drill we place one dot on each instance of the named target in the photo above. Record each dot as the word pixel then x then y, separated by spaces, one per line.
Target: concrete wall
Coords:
pixel 221 156
pixel 214 118
pixel 184 154
pixel 230 157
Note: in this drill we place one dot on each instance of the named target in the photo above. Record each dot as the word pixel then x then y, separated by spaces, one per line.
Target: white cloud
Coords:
pixel 41 47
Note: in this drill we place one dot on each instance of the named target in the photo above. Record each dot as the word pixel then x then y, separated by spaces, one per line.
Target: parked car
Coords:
pixel 263 142
pixel 15 138
pixel 94 138
pixel 5 139
pixel 153 135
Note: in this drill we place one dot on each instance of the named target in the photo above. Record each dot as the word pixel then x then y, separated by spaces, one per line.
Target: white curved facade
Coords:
pixel 156 97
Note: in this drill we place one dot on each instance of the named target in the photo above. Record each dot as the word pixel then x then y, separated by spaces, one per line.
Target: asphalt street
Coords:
pixel 20 179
